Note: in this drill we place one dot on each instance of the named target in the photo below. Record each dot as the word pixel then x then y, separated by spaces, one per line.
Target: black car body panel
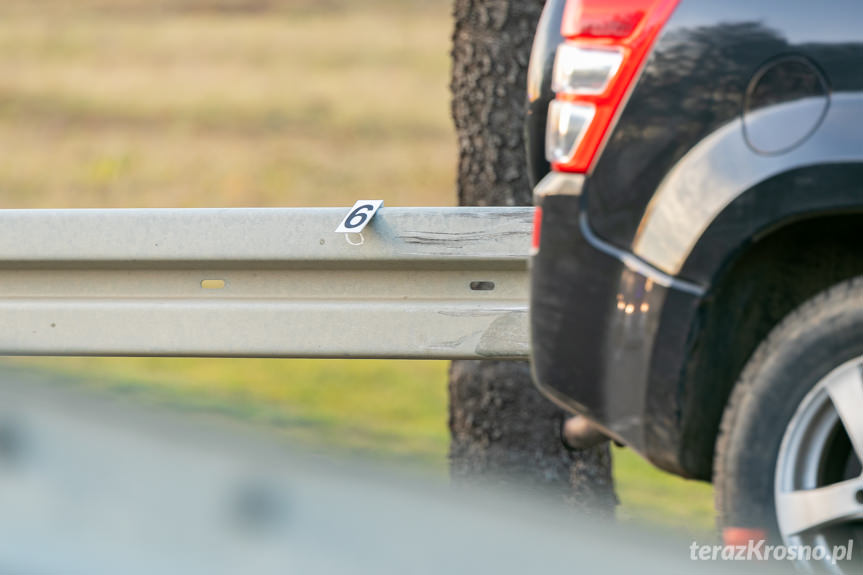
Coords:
pixel 747 118
pixel 693 91
pixel 607 339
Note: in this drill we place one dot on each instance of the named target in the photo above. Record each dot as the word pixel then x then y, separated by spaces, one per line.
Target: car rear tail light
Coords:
pixel 605 46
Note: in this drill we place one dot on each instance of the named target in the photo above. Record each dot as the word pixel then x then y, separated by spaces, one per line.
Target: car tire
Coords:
pixel 762 452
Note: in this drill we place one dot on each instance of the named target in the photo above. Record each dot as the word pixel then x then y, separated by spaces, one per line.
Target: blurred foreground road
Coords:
pixel 89 484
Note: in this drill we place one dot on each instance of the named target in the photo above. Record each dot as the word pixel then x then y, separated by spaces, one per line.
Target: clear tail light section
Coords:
pixel 606 44
pixel 580 70
pixel 567 124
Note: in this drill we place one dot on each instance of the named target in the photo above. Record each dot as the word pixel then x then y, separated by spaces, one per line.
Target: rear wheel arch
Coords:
pixel 762 282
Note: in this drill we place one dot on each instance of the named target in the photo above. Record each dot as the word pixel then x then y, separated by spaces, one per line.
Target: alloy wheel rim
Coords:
pixel 818 481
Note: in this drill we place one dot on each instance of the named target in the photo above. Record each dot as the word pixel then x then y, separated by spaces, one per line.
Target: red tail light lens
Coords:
pixel 607 42
pixel 603 18
pixel 537 229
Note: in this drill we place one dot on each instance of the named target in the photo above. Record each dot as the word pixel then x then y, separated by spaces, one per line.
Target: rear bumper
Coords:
pixel 608 332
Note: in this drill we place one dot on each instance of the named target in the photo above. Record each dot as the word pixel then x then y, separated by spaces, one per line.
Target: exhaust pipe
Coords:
pixel 578 432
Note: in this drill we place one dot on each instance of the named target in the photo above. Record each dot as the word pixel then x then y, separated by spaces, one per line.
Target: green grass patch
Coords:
pixel 649 496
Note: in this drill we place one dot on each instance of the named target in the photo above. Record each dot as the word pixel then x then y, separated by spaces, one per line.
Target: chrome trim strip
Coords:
pixel 635 263
pixel 567 184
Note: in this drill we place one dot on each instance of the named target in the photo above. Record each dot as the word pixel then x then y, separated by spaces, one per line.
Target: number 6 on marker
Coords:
pixel 360 215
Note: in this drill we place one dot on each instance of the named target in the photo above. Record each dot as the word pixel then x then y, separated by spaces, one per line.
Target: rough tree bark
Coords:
pixel 502 429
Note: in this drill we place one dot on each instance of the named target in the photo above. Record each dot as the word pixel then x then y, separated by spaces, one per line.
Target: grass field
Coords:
pixel 169 103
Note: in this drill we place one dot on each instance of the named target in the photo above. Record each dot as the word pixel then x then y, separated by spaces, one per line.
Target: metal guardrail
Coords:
pixel 419 283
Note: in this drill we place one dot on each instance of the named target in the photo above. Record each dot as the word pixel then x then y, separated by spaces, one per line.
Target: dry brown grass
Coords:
pixel 133 103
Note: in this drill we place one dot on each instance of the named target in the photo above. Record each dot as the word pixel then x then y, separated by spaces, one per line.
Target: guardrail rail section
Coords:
pixel 425 283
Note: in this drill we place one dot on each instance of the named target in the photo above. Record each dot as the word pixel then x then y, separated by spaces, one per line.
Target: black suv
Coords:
pixel 697 281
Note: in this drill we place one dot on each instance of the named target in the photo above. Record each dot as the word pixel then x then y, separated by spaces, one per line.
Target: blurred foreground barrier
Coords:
pixel 90 485
pixel 417 283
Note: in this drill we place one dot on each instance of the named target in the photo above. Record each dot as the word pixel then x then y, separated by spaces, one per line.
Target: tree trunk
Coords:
pixel 502 429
